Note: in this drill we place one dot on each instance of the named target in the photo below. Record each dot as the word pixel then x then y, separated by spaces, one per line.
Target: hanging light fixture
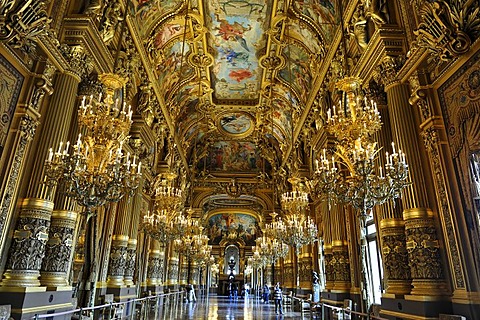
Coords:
pixel 356 177
pixel 97 171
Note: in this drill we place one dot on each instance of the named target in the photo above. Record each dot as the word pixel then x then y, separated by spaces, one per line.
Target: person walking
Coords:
pixel 277 298
pixel 266 293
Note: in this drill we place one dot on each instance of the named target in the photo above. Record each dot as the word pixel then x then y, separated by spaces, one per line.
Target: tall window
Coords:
pixel 374 261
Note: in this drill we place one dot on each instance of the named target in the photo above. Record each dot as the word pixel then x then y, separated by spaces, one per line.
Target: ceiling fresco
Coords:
pixel 233 79
pixel 236 35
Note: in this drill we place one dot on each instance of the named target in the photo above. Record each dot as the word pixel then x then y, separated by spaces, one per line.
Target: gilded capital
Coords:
pixel 80 63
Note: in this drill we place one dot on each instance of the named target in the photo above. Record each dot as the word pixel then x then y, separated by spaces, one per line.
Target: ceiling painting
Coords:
pixel 236 124
pixel 236 28
pixel 232 226
pixel 167 32
pixel 322 13
pixel 148 11
pixel 168 70
pixel 236 156
pixel 297 70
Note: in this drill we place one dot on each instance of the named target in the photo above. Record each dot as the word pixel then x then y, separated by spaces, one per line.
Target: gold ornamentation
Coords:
pixel 448 28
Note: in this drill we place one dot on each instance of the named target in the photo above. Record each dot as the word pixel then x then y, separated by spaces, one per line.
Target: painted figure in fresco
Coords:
pixel 233 32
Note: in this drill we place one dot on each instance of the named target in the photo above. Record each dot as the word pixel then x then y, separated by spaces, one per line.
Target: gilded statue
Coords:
pixel 376 10
pixel 358 28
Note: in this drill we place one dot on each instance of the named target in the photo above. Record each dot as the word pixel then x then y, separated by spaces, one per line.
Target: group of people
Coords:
pixel 277 297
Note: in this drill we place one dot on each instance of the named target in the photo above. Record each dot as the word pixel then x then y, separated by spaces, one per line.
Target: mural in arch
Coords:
pixel 244 226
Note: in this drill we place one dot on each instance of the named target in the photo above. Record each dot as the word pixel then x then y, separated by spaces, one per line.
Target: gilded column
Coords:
pixel 183 277
pixel 288 271
pixel 305 270
pixel 118 251
pixel 173 269
pixel 340 256
pixel 26 254
pixel 397 279
pixel 194 273
pixel 58 251
pixel 278 273
pixel 417 213
pixel 137 205
pixel 268 274
pixel 153 269
pixel 327 247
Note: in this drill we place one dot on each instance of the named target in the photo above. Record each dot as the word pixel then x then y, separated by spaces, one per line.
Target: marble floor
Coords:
pixel 221 308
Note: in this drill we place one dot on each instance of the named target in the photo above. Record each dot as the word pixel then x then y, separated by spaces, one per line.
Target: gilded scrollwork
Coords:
pixel 432 142
pixel 448 28
pixel 80 64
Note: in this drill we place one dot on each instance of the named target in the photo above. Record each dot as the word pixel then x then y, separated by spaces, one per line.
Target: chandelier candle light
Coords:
pixel 97 171
pixel 356 177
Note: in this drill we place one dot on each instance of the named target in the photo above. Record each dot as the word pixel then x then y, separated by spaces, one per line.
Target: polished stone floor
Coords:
pixel 221 308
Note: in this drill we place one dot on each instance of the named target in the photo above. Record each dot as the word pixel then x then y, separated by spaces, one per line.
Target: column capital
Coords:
pixel 80 63
pixel 386 72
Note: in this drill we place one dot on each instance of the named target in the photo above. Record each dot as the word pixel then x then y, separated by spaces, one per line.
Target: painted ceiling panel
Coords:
pixel 322 13
pixel 243 226
pixel 236 34
pixel 297 71
pixel 149 11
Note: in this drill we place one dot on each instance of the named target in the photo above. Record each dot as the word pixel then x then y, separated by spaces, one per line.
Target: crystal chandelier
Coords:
pixel 356 178
pixel 191 240
pixel 97 171
pixel 271 249
pixel 295 201
pixel 162 225
pixel 295 229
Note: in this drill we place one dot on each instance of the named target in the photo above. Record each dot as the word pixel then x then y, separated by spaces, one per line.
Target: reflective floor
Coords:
pixel 219 307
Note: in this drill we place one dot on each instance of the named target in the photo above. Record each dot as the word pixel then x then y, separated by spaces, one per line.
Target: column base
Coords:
pixel 115 282
pixel 429 287
pixel 21 278
pixel 53 279
pixel 399 287
pixel 414 308
pixel 26 304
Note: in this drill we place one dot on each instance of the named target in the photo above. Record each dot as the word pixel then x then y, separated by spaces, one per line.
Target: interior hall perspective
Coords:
pixel 240 159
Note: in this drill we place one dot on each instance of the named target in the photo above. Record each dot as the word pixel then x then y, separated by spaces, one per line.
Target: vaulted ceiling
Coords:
pixel 235 79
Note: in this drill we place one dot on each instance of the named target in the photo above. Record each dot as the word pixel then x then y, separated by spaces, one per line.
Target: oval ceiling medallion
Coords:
pixel 236 124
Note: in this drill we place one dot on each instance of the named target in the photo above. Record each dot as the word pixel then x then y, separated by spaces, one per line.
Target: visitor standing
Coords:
pixel 277 298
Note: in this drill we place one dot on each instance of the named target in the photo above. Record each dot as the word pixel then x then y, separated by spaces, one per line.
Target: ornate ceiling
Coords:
pixel 234 79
